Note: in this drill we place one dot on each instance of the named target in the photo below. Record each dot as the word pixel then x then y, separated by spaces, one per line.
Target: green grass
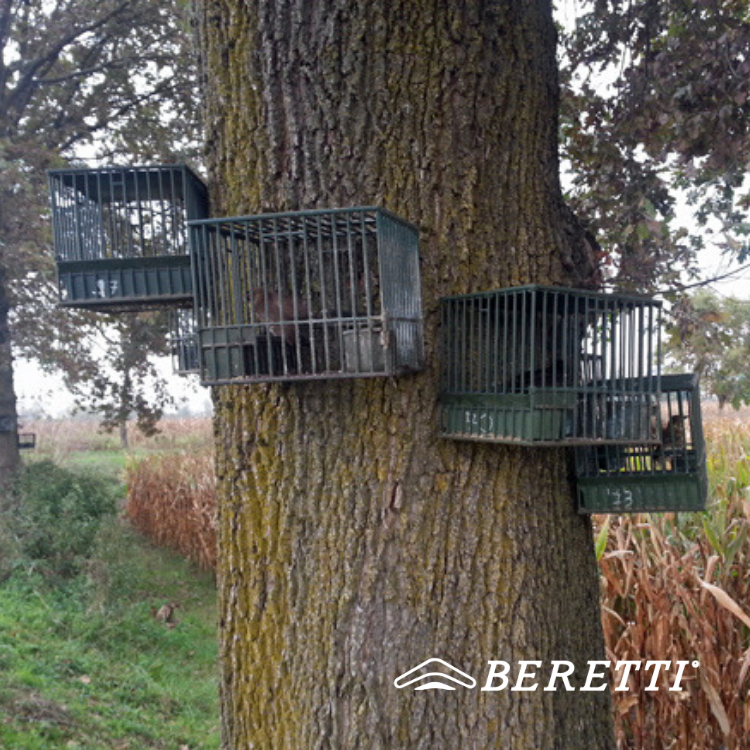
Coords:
pixel 85 664
pixel 108 462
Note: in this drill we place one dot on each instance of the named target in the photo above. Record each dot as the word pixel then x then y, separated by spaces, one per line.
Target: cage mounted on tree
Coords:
pixel 540 365
pixel 309 294
pixel 666 475
pixel 26 441
pixel 183 341
pixel 120 235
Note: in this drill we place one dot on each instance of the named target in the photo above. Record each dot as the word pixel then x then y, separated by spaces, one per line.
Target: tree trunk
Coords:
pixel 354 543
pixel 124 442
pixel 9 456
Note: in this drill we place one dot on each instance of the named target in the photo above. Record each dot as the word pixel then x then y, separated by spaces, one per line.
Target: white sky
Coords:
pixel 40 394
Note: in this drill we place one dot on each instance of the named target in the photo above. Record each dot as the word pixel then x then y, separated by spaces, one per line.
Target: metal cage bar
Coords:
pixel 543 365
pixel 304 295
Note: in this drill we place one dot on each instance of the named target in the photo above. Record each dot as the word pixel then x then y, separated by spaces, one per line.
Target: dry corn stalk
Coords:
pixel 172 500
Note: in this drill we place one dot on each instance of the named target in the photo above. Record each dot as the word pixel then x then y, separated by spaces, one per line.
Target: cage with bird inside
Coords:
pixel 542 365
pixel 666 476
pixel 120 235
pixel 302 295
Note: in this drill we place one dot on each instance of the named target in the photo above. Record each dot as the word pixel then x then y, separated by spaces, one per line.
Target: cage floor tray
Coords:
pixel 519 418
pixel 642 494
pixel 101 284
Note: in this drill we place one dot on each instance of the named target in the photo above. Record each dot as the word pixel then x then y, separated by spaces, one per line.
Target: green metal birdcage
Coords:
pixel 120 235
pixel 309 294
pixel 666 475
pixel 539 365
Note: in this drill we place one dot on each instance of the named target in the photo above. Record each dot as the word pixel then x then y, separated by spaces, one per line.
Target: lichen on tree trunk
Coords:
pixel 353 542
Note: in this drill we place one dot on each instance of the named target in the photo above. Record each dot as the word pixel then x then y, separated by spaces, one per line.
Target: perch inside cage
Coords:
pixel 311 294
pixel 548 366
pixel 183 341
pixel 120 235
pixel 666 475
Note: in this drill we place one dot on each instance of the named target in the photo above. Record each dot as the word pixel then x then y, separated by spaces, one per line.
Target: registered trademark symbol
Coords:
pixel 696 664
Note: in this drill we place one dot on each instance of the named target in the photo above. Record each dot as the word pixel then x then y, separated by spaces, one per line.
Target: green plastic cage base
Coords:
pixel 126 283
pixel 247 353
pixel 665 493
pixel 521 419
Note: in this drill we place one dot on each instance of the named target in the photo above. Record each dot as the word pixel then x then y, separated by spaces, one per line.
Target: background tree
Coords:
pixel 113 76
pixel 112 372
pixel 711 335
pixel 354 542
pixel 656 112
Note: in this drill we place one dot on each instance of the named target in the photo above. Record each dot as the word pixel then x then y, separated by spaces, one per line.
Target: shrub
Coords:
pixel 56 513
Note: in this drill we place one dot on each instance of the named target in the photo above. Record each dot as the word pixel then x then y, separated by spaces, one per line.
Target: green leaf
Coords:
pixel 601 540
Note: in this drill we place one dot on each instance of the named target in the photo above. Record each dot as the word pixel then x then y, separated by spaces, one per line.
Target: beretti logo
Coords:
pixel 436 674
pixel 438 677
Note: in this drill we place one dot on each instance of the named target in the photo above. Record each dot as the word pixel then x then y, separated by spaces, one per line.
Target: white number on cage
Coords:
pixel 478 423
pixel 622 498
pixel 101 288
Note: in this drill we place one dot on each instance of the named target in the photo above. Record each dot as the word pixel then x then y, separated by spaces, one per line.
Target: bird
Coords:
pixel 673 442
pixel 273 308
pixel 166 614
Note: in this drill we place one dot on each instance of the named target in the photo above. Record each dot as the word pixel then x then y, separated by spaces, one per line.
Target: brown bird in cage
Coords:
pixel 273 308
pixel 674 442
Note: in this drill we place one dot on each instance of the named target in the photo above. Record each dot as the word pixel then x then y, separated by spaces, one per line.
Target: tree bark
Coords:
pixel 355 543
pixel 9 455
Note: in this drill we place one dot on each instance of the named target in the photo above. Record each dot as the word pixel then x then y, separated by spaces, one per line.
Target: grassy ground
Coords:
pixel 88 665
pixel 96 662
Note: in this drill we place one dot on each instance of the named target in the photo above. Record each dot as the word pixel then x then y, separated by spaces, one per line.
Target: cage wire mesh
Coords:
pixel 666 475
pixel 120 235
pixel 549 366
pixel 310 294
pixel 183 341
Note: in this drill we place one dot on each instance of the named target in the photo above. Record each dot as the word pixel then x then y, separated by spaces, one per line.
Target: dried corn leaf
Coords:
pixel 717 707
pixel 744 670
pixel 726 601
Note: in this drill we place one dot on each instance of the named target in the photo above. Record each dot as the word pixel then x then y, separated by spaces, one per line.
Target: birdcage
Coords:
pixel 183 341
pixel 26 440
pixel 310 294
pixel 539 365
pixel 120 235
pixel 668 475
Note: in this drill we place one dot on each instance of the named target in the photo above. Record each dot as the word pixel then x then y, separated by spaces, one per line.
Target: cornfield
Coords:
pixel 678 588
pixel 673 588
pixel 172 500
